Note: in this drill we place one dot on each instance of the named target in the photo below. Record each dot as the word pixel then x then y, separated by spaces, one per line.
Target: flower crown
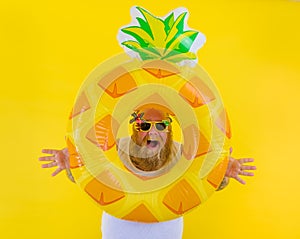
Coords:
pixel 139 118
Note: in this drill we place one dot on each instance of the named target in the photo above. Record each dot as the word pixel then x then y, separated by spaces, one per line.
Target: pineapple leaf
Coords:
pixel 183 42
pixel 157 27
pixel 169 21
pixel 171 53
pixel 145 54
pixel 155 50
pixel 157 38
pixel 139 34
pixel 187 42
pixel 131 44
pixel 181 56
pixel 144 25
pixel 180 24
pixel 176 30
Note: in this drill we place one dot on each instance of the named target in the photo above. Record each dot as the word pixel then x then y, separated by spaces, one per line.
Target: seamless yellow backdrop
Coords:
pixel 252 53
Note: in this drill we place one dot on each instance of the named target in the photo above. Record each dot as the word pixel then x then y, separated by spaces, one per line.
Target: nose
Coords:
pixel 153 130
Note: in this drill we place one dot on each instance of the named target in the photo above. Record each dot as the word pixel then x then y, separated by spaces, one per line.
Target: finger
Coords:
pixel 240 180
pixel 248 167
pixel 46 158
pixel 49 165
pixel 58 170
pixel 246 160
pixel 50 151
pixel 244 173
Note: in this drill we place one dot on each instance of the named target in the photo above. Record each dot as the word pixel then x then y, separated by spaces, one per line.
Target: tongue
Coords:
pixel 152 143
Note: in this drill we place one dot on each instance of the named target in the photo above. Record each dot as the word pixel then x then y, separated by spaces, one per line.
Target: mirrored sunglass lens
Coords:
pixel 145 126
pixel 160 126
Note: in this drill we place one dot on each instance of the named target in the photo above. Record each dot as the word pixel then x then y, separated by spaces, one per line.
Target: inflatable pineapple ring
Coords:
pixel 100 120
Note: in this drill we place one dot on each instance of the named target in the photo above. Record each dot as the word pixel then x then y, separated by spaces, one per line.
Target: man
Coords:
pixel 150 152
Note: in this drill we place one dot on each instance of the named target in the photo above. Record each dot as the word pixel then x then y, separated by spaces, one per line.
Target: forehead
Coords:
pixel 154 115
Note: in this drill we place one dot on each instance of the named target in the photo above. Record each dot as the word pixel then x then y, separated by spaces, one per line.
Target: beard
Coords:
pixel 148 158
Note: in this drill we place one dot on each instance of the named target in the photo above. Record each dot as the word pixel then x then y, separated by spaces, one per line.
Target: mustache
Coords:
pixel 140 150
pixel 154 138
pixel 147 159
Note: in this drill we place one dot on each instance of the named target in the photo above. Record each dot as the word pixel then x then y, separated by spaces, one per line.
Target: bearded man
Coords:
pixel 149 152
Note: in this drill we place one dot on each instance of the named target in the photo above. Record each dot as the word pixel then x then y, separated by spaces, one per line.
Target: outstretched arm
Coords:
pixel 59 159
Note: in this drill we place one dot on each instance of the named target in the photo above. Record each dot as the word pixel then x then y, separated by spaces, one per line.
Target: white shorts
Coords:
pixel 115 228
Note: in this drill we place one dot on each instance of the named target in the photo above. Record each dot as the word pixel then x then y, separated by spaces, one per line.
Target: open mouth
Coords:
pixel 152 143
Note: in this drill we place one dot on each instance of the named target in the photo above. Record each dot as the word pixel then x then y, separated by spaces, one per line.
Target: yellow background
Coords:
pixel 253 54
